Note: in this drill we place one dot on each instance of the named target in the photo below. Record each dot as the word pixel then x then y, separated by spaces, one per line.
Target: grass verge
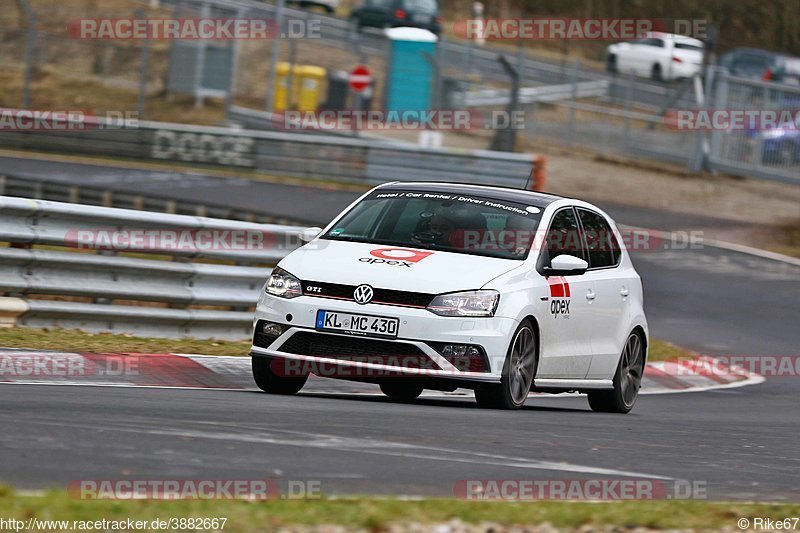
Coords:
pixel 379 514
pixel 73 340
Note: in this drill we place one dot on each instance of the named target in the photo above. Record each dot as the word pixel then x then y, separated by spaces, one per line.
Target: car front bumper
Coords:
pixel 418 328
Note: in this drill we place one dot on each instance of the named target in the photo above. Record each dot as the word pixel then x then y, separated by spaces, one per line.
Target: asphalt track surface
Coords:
pixel 741 442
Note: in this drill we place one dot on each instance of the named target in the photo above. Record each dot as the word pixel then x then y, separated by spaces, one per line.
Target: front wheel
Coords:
pixel 269 381
pixel 611 63
pixel 627 380
pixel 400 391
pixel 518 372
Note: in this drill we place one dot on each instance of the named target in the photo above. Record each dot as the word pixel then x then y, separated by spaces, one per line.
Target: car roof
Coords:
pixel 508 194
pixel 673 37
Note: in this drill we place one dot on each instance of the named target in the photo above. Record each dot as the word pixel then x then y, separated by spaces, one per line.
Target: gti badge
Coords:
pixel 363 294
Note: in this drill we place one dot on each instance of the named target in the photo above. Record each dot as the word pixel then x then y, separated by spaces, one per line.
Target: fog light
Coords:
pixel 272 329
pixel 460 350
pixel 465 357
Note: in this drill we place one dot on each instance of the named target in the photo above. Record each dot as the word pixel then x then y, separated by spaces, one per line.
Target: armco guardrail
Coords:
pixel 292 154
pixel 106 195
pixel 166 294
pixel 530 95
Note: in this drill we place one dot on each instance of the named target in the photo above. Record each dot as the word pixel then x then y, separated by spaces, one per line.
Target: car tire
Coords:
pixel 627 380
pixel 268 381
pixel 401 390
pixel 787 153
pixel 519 370
pixel 655 73
pixel 611 63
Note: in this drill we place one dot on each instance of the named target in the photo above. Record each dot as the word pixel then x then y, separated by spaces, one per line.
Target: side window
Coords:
pixel 600 240
pixel 658 43
pixel 564 236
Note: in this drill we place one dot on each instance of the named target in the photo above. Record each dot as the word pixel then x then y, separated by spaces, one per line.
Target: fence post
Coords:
pixel 720 102
pixel 143 72
pixel 571 123
pixel 505 139
pixel 276 50
pixel 626 147
pixel 30 49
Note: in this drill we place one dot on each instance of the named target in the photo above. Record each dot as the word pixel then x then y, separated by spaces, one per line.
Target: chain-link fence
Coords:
pixel 47 67
pixel 758 147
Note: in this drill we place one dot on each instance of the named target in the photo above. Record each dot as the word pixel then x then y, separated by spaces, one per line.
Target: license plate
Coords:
pixel 355 324
pixel 422 19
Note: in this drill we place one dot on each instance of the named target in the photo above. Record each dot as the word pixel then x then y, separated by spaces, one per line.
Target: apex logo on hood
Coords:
pixel 395 257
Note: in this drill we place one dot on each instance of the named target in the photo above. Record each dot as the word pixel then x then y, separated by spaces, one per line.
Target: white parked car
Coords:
pixel 440 286
pixel 659 56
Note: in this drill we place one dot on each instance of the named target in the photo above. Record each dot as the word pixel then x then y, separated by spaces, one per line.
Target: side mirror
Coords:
pixel 566 265
pixel 309 234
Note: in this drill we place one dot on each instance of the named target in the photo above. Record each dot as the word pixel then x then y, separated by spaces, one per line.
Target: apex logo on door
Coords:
pixel 560 296
pixel 395 257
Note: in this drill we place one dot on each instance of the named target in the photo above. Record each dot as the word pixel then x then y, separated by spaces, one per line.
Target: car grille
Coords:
pixel 381 296
pixel 358 349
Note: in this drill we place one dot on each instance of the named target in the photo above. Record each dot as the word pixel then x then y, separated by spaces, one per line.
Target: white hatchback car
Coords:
pixel 439 286
pixel 659 56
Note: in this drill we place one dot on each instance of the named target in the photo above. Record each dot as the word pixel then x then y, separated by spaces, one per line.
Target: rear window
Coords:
pixel 686 46
pixel 421 6
pixel 600 240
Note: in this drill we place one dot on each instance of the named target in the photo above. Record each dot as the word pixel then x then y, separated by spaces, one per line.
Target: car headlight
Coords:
pixel 468 303
pixel 283 284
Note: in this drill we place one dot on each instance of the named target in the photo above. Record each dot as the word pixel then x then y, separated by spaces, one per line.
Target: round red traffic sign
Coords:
pixel 360 78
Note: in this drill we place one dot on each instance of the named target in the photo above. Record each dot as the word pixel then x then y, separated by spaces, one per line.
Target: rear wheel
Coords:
pixel 518 372
pixel 627 380
pixel 401 391
pixel 268 381
pixel 655 73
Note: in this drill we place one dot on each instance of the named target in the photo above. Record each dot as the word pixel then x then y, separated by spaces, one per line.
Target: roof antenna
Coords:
pixel 530 178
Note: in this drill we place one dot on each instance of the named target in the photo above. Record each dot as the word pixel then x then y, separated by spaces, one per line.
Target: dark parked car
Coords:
pixel 762 64
pixel 393 13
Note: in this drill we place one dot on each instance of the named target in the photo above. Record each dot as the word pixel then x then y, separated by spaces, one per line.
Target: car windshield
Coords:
pixel 752 64
pixel 441 221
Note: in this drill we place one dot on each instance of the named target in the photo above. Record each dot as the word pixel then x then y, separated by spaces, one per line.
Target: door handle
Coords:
pixel 590 294
pixel 624 292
